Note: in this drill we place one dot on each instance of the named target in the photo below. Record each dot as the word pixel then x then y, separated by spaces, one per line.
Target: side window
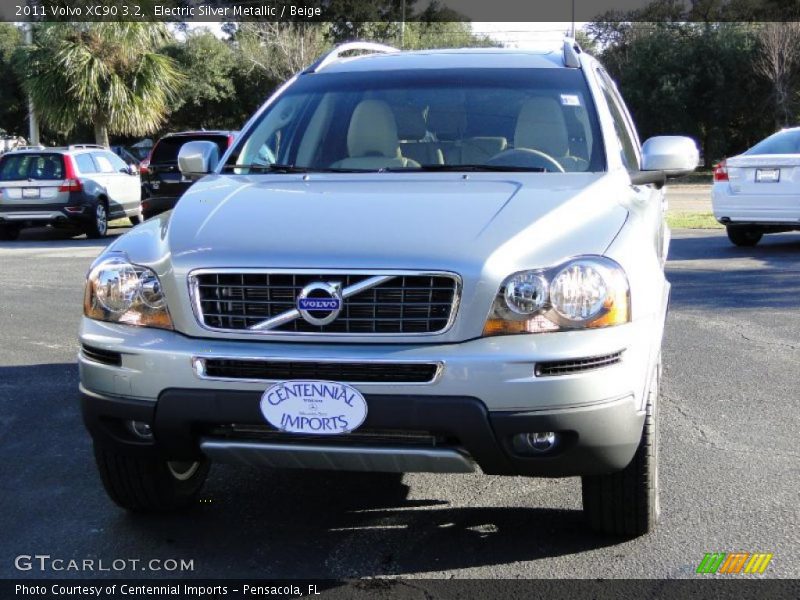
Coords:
pixel 627 139
pixel 116 162
pixel 103 164
pixel 85 164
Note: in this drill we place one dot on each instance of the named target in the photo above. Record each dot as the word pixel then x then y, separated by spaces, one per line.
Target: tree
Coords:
pixel 692 79
pixel 13 103
pixel 778 62
pixel 107 74
pixel 423 34
pixel 281 49
pixel 208 97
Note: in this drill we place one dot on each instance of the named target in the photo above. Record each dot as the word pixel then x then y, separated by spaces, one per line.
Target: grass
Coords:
pixel 692 220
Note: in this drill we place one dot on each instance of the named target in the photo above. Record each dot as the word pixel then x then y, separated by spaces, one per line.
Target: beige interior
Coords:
pixel 541 126
pixel 415 142
pixel 372 140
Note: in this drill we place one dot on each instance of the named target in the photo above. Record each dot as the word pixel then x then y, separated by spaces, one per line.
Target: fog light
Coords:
pixel 537 442
pixel 141 429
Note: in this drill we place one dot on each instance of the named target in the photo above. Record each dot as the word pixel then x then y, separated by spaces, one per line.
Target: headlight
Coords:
pixel 585 292
pixel 120 292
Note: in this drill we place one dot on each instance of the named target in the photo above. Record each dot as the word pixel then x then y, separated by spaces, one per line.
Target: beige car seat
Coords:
pixel 372 141
pixel 415 141
pixel 541 126
pixel 449 124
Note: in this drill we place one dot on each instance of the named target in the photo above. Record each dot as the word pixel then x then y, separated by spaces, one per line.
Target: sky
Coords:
pixel 525 35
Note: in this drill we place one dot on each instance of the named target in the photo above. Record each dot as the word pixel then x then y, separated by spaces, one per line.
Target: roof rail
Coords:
pixel 80 146
pixel 28 147
pixel 334 54
pixel 571 51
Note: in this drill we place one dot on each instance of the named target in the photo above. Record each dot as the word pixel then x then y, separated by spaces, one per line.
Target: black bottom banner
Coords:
pixel 405 589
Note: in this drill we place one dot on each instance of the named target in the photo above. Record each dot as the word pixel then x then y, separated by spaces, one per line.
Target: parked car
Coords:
pixel 162 182
pixel 758 191
pixel 80 186
pixel 126 155
pixel 407 261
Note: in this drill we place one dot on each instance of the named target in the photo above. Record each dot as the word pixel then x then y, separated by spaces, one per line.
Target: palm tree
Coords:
pixel 109 75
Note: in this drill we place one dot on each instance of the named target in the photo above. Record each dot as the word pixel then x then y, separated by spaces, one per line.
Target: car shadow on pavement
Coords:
pixel 52 237
pixel 251 522
pixel 351 525
pixel 773 247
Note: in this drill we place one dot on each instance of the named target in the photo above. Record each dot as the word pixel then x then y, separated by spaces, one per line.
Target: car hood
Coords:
pixel 385 221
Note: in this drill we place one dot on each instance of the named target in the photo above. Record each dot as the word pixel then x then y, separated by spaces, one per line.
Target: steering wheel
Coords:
pixel 525 157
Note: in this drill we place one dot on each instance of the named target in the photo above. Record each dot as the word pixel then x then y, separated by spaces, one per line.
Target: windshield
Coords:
pixel 427 119
pixel 783 142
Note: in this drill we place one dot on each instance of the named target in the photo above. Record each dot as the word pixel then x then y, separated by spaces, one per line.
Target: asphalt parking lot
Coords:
pixel 730 458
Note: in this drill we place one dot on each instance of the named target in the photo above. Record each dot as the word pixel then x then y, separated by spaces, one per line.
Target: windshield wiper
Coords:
pixel 273 168
pixel 466 168
pixel 280 168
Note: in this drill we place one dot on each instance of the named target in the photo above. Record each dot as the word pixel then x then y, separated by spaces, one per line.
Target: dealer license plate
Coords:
pixel 313 407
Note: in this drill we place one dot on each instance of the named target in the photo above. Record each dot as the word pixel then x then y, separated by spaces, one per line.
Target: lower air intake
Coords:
pixel 578 365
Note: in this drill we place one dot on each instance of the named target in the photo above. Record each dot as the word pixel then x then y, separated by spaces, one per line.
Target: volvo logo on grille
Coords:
pixel 319 303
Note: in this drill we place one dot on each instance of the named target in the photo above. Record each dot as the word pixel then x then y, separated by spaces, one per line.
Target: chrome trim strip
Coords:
pixel 194 297
pixel 392 459
pixel 32 216
pixel 199 368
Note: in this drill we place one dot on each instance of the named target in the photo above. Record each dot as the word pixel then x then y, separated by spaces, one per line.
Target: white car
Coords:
pixel 758 191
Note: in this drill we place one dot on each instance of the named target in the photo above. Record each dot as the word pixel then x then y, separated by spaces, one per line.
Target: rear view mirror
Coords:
pixel 196 159
pixel 674 155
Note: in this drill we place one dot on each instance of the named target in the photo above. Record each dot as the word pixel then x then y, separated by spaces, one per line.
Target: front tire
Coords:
pixel 746 237
pixel 149 484
pixel 98 228
pixel 626 503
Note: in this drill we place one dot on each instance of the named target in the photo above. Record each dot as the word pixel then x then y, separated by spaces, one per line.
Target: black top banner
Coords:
pixel 401 10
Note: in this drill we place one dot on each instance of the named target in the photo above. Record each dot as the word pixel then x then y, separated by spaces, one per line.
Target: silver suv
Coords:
pixel 81 187
pixel 408 261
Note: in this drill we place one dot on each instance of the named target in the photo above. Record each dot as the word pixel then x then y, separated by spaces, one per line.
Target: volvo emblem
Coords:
pixel 319 303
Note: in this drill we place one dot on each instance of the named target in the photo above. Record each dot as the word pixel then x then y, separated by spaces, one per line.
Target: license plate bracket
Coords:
pixel 768 175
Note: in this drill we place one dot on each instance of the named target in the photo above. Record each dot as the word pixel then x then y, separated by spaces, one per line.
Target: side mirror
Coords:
pixel 674 155
pixel 196 159
pixel 129 170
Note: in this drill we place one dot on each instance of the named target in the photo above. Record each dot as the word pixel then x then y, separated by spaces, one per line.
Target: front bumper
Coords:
pixel 486 391
pixel 186 424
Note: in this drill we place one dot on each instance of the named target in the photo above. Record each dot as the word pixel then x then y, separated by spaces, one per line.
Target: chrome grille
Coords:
pixel 406 304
